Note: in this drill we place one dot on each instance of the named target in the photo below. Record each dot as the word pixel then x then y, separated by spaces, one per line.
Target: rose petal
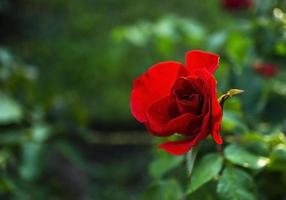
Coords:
pixel 197 59
pixel 161 121
pixel 186 96
pixel 183 85
pixel 201 79
pixel 215 108
pixel 215 134
pixel 153 85
pixel 178 147
pixel 216 118
pixel 183 146
pixel 159 114
pixel 194 105
pixel 205 127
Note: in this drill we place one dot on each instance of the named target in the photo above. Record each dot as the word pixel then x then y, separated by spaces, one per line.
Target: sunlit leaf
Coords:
pixel 32 152
pixel 166 27
pixel 239 155
pixel 217 40
pixel 10 111
pixel 278 158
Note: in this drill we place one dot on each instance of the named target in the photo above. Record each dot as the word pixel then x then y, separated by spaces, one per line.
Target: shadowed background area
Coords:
pixel 66 72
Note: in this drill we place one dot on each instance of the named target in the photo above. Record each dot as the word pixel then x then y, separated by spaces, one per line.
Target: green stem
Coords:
pixel 191 157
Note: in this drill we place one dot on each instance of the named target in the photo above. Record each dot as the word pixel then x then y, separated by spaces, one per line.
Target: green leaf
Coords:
pixel 271 139
pixel 164 190
pixel 217 40
pixel 206 192
pixel 240 156
pixel 278 158
pixel 193 31
pixel 32 152
pixel 206 169
pixel 31 159
pixel 10 111
pixel 163 163
pixel 191 158
pixel 236 184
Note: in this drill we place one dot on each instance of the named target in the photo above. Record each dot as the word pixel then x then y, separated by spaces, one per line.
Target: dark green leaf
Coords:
pixel 236 184
pixel 206 192
pixel 164 190
pixel 205 170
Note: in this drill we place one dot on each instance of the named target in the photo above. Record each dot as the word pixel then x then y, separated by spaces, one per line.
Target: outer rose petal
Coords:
pixel 216 119
pixel 196 59
pixel 215 108
pixel 215 133
pixel 216 111
pixel 183 146
pixel 179 147
pixel 153 85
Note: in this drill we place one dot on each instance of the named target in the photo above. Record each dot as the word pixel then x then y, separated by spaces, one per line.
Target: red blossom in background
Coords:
pixel 174 98
pixel 267 70
pixel 237 4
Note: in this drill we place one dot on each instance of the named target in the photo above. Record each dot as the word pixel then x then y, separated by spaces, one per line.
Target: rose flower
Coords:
pixel 172 98
pixel 237 4
pixel 267 70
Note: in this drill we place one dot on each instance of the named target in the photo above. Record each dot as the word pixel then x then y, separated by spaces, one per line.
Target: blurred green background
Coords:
pixel 66 71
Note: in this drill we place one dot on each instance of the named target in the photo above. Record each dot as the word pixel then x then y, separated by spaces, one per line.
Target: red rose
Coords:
pixel 236 4
pixel 266 69
pixel 172 98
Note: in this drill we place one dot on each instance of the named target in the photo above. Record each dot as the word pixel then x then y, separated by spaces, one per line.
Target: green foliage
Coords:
pixel 165 190
pixel 11 112
pixel 238 155
pixel 163 163
pixel 205 170
pixel 278 158
pixel 236 184
pixel 191 158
